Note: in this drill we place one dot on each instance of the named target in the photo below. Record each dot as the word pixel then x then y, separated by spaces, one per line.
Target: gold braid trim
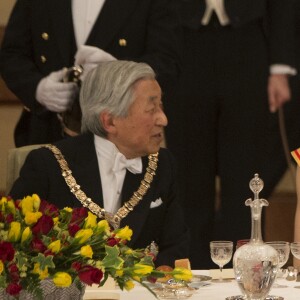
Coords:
pixel 128 206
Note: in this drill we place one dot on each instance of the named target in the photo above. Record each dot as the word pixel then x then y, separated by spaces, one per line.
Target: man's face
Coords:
pixel 141 132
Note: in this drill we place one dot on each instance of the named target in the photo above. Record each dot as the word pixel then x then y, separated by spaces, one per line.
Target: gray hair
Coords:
pixel 110 87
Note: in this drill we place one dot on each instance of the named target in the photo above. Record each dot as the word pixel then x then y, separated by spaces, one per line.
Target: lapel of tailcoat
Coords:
pixel 136 218
pixel 86 171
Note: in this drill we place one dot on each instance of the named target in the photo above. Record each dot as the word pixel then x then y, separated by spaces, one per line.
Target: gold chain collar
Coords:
pixel 128 206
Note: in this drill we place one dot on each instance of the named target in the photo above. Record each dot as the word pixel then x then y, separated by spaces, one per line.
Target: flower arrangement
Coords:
pixel 38 241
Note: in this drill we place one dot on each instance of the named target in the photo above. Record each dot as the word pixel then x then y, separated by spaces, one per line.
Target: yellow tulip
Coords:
pixel 90 221
pixel 68 209
pixel 3 202
pixel 11 207
pixel 182 274
pixel 1 267
pixel 140 269
pixel 32 217
pixel 42 273
pixel 27 205
pixel 129 251
pixel 124 233
pixel 129 285
pixel 36 202
pixel 83 235
pixel 119 273
pixel 137 278
pixel 55 246
pixel 26 234
pixel 62 279
pixel 55 220
pixel 14 232
pixel 103 226
pixel 86 251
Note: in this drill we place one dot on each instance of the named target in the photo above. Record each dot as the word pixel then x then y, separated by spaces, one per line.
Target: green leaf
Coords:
pixel 21 259
pixel 44 261
pixel 112 259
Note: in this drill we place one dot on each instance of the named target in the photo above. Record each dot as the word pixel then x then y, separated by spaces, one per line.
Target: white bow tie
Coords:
pixel 133 165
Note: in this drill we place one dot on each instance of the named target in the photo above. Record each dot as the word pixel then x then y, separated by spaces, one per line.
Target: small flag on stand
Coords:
pixel 296 155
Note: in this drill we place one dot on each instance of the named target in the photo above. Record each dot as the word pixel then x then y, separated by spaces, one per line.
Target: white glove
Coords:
pixel 55 95
pixel 89 57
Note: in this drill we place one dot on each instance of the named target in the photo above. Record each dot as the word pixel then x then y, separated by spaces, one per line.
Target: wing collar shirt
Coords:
pixel 113 165
pixel 85 13
pixel 216 6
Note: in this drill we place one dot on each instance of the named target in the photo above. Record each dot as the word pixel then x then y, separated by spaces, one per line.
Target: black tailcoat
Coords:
pixel 164 224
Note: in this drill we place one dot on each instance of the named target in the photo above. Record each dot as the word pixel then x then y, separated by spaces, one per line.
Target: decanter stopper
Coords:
pixel 256 185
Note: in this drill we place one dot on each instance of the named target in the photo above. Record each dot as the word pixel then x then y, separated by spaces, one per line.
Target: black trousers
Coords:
pixel 219 124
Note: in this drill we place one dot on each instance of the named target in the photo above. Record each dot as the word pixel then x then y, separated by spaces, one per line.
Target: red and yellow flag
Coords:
pixel 296 155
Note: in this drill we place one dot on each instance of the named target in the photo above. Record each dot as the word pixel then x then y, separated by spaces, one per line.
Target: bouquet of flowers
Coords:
pixel 38 241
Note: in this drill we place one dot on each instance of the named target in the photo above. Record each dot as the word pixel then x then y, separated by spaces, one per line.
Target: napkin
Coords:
pixel 104 295
pixel 226 273
pixel 104 292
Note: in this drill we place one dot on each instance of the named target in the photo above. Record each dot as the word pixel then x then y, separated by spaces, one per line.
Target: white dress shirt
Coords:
pixel 112 175
pixel 85 13
pixel 218 7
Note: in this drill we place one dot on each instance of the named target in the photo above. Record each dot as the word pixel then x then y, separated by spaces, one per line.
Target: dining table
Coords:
pixel 208 290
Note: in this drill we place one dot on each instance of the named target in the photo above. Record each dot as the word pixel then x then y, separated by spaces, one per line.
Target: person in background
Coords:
pixel 116 168
pixel 43 37
pixel 238 56
pixel 295 129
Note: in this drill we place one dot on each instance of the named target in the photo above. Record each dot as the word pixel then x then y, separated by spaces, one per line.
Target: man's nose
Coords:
pixel 162 119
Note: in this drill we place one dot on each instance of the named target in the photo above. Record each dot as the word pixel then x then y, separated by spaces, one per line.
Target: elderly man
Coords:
pixel 116 167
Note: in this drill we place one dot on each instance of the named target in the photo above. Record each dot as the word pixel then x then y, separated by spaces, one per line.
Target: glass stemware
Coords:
pixel 295 249
pixel 283 249
pixel 221 254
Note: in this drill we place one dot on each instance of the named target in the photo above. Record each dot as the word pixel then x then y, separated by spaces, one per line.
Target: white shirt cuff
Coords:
pixel 282 69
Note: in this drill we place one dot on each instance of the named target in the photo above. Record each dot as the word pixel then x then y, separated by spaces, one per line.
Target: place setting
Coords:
pixel 171 288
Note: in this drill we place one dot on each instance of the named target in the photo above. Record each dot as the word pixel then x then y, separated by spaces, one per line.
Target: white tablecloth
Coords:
pixel 214 291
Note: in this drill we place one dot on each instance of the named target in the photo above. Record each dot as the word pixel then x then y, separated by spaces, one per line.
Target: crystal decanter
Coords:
pixel 255 264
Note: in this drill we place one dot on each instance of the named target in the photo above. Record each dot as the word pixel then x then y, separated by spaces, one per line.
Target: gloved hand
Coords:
pixel 55 95
pixel 89 57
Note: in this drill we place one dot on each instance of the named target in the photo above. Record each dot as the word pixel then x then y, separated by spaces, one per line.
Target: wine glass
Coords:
pixel 295 249
pixel 221 253
pixel 283 249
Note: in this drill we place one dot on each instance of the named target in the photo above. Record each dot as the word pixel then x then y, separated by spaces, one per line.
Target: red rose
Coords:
pixel 76 266
pixel 17 204
pixel 73 228
pixel 43 225
pixel 112 241
pixel 78 215
pixel 7 252
pixel 9 218
pixel 13 273
pixel 38 246
pixel 49 209
pixel 48 253
pixel 13 268
pixel 90 275
pixel 13 289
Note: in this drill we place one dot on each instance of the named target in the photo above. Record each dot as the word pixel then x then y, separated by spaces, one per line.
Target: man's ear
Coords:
pixel 107 120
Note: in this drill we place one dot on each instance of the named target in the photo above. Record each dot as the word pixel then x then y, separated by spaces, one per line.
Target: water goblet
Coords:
pixel 295 249
pixel 221 254
pixel 283 249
